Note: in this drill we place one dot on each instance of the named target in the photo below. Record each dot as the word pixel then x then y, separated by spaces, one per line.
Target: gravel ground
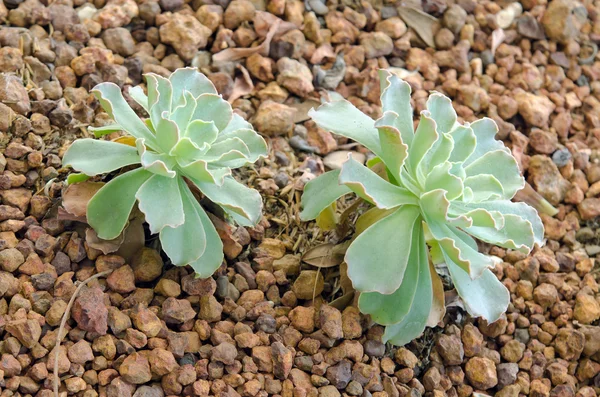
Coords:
pixel 264 325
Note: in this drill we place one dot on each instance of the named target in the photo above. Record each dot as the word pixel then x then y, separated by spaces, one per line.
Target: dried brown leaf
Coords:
pixel 325 255
pixel 343 301
pixel 302 109
pixel 234 54
pixel 106 246
pixel 264 21
pixel 438 307
pixel 242 85
pixel 345 281
pixel 76 197
pixel 424 24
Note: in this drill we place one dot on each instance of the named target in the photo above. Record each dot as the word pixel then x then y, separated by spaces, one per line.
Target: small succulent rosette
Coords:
pixel 443 186
pixel 191 137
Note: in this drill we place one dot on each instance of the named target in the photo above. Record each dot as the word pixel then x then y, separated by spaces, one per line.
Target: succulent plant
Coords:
pixel 192 138
pixel 442 186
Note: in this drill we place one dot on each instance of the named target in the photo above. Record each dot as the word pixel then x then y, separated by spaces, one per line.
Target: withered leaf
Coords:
pixel 325 255
pixel 424 24
pixel 76 197
pixel 343 301
pixel 438 307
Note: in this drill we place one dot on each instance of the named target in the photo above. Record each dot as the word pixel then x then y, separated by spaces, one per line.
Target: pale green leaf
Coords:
pixel 237 123
pixel 485 131
pixel 441 110
pixel 413 324
pixel 157 163
pixel 485 187
pixel 137 94
pixel 438 154
pixel 105 130
pixel 441 178
pixel 425 137
pixel 460 248
pixel 390 309
pixel 257 147
pixel 95 157
pixel 156 195
pixel 519 209
pixel 189 79
pixel 186 243
pixel 464 143
pixel 211 107
pixel 111 99
pixel 503 167
pixel 160 93
pixel 371 187
pixel 187 150
pixel 320 193
pixel 516 234
pixel 234 197
pixel 378 257
pixel 182 115
pixel 201 132
pixel 393 149
pixel 199 171
pixel 343 118
pixel 167 133
pixel 108 211
pixel 484 296
pixel 76 178
pixel 395 97
pixel 212 257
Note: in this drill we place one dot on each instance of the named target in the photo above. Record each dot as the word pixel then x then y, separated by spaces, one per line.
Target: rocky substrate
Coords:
pixel 262 325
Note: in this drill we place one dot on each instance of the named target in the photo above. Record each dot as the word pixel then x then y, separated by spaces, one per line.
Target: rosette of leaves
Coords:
pixel 191 138
pixel 434 190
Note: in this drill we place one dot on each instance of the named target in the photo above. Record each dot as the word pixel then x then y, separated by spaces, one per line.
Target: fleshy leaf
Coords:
pixel 441 110
pixel 516 234
pixel 234 197
pixel 484 296
pixel 237 123
pixel 343 118
pixel 156 195
pixel 257 147
pixel 485 131
pixel 395 97
pixel 199 171
pixel 95 157
pixel 485 187
pixel 441 178
pixel 160 93
pixel 464 143
pixel 186 243
pixel 373 269
pixel 371 187
pixel 138 95
pixel 320 193
pixel 503 167
pixel 212 257
pixel 188 79
pixel 105 130
pixel 157 163
pixel 167 133
pixel 182 115
pixel 108 211
pixel 425 137
pixel 390 309
pixel 413 324
pixel 111 99
pixel 201 132
pixel 211 107
pixel 519 209
pixel 393 148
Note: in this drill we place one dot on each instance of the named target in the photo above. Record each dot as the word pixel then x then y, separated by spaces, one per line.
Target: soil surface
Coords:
pixel 268 324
